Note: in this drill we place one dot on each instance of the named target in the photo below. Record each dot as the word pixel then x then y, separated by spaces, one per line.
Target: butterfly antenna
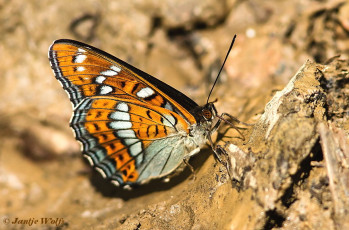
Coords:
pixel 226 57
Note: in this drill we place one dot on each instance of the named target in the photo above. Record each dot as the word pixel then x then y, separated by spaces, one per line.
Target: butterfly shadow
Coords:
pixel 107 189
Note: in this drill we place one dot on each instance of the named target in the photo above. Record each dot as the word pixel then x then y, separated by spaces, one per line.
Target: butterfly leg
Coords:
pixel 219 152
pixel 218 147
pixel 221 118
pixel 235 119
pixel 225 161
pixel 186 161
pixel 214 148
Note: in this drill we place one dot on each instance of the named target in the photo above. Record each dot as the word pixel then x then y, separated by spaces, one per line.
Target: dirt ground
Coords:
pixel 284 76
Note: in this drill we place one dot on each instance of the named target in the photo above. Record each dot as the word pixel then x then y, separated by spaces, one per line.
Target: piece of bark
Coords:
pixel 336 156
pixel 282 161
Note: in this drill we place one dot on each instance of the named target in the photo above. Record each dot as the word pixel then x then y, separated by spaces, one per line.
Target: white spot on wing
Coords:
pixel 170 121
pixel 122 106
pixel 80 69
pixel 89 159
pixel 120 116
pixel 127 187
pixel 115 182
pixel 81 50
pixel 120 124
pixel 80 58
pixel 126 134
pixel 109 72
pixel 100 79
pixel 130 141
pixel 168 106
pixel 135 149
pixel 115 68
pixel 145 92
pixel 101 172
pixel 106 89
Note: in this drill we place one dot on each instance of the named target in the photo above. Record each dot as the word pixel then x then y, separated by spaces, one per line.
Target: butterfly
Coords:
pixel 132 126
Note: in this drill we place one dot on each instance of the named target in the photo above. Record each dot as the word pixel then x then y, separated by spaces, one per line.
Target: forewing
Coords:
pixel 85 71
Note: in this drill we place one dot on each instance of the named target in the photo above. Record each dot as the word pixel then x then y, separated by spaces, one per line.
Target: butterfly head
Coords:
pixel 209 111
pixel 206 113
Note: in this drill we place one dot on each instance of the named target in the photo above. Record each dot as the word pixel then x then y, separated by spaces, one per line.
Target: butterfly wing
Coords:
pixel 130 129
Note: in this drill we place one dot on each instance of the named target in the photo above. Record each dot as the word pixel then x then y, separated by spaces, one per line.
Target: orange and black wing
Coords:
pixel 132 126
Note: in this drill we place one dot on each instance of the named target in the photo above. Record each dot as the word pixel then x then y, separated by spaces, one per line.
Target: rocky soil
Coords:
pixel 287 76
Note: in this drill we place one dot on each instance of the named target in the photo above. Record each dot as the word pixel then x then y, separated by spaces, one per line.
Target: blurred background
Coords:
pixel 182 43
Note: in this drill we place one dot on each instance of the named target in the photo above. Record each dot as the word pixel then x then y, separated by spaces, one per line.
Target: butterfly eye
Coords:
pixel 207 114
